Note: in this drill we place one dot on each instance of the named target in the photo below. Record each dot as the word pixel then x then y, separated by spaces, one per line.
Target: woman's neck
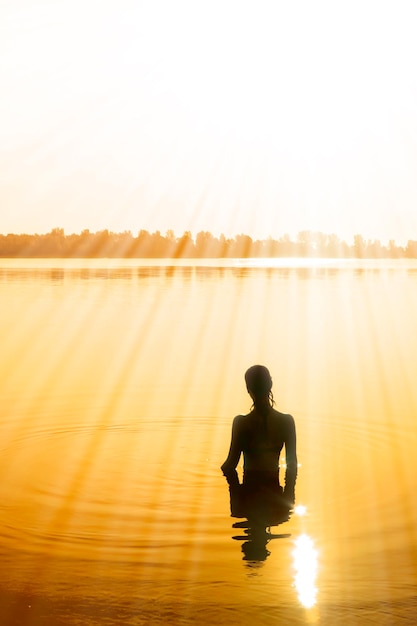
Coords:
pixel 262 406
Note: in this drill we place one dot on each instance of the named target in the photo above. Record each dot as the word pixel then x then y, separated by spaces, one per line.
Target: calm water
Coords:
pixel 119 381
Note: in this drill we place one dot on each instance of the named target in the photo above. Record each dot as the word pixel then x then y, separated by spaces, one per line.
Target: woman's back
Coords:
pixel 262 439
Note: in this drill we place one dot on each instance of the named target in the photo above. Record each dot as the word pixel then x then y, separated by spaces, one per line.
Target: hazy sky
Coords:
pixel 261 117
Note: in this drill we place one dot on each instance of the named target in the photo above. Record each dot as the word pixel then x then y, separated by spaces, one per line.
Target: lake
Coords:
pixel 119 383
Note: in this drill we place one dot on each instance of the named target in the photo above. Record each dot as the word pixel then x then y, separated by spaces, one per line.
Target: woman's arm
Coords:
pixel 235 447
pixel 291 459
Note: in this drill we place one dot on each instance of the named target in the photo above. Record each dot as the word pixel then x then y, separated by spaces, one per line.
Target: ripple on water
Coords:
pixel 87 490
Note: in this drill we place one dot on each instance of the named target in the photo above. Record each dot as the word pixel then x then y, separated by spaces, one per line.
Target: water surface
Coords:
pixel 119 382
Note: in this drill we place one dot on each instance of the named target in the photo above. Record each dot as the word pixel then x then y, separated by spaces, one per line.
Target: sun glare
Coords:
pixel 300 510
pixel 305 564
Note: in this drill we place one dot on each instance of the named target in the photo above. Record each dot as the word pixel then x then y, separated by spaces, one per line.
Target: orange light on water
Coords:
pixel 305 565
pixel 300 510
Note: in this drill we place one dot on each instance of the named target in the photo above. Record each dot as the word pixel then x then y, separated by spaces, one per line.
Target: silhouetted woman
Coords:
pixel 260 436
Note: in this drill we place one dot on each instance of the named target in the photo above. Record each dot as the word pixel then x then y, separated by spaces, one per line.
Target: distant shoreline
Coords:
pixel 109 245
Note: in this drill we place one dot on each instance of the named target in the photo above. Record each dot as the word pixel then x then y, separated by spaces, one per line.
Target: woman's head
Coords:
pixel 258 382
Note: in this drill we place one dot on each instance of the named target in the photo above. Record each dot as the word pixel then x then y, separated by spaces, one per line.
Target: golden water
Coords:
pixel 119 381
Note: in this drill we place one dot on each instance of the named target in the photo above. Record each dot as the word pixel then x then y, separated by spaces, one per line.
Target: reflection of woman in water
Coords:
pixel 260 436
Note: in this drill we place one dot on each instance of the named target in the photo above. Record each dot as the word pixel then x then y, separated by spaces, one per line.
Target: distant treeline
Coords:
pixel 204 245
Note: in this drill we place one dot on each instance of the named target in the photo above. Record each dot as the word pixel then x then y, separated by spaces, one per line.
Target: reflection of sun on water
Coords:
pixel 300 510
pixel 305 565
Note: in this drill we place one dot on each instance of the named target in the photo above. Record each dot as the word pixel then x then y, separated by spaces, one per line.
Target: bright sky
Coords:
pixel 262 117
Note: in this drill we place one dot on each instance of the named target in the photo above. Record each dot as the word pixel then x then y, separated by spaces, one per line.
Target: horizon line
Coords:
pixel 169 233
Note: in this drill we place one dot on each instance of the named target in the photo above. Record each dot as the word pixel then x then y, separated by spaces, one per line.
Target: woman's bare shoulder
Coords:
pixel 284 418
pixel 242 422
pixel 240 419
pixel 244 417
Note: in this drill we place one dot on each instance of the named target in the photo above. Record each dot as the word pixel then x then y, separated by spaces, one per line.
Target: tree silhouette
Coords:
pixel 104 243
